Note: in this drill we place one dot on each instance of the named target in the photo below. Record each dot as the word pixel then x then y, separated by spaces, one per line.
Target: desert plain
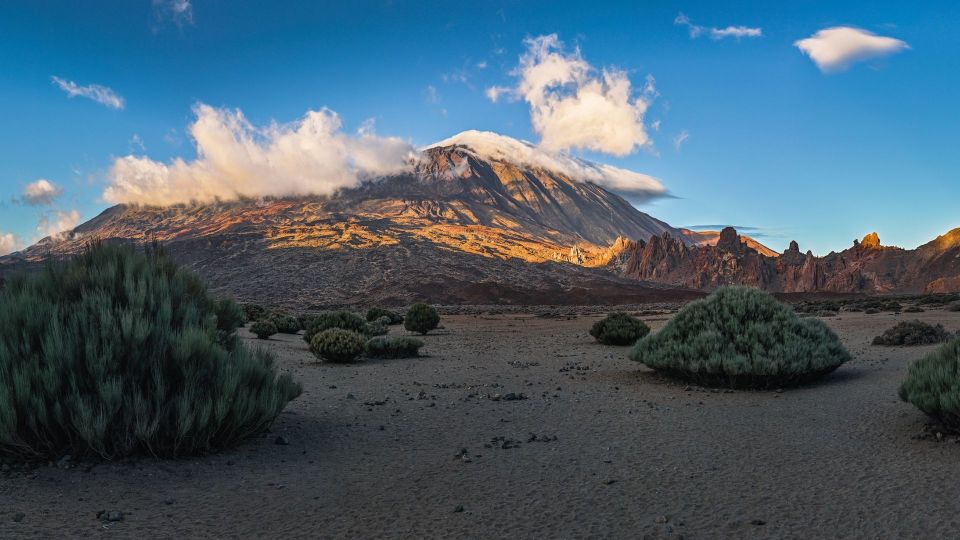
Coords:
pixel 515 424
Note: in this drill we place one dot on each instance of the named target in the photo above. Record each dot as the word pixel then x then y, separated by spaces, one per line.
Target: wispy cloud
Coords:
pixel 835 49
pixel 237 159
pixel 179 12
pixel 574 105
pixel 40 193
pixel 9 243
pixel 99 93
pixel 736 32
pixel 58 222
pixel 680 138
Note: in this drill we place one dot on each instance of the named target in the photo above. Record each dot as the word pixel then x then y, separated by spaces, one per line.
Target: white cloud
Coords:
pixel 573 106
pixel 136 143
pixel 236 159
pixel 431 94
pixel 101 94
pixel 489 145
pixel 40 193
pixel 835 49
pixel 680 138
pixel 57 223
pixel 736 32
pixel 9 243
pixel 180 12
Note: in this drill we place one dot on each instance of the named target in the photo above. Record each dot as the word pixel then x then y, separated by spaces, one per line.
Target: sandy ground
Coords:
pixel 600 448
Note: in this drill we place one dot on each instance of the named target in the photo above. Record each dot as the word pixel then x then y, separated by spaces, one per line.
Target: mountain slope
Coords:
pixel 459 227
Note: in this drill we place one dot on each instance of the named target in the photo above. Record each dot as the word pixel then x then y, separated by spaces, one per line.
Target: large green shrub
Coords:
pixel 344 320
pixel 742 337
pixel 393 347
pixel 118 352
pixel 263 329
pixel 375 314
pixel 421 318
pixel 337 345
pixel 933 384
pixel 913 333
pixel 619 329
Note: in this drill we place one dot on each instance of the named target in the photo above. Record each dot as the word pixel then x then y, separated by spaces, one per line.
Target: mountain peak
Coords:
pixel 871 241
pixel 490 146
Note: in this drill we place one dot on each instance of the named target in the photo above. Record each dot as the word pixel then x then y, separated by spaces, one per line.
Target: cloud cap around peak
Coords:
pixel 494 146
pixel 837 48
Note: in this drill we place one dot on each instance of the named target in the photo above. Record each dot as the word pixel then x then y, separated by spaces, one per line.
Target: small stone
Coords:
pixel 662 519
pixel 758 522
pixel 18 517
pixel 458 509
pixel 112 515
pixel 168 502
pixel 281 440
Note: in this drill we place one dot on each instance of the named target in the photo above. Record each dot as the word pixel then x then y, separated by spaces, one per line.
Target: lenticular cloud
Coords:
pixel 235 159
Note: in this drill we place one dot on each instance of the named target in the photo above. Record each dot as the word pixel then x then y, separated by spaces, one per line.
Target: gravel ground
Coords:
pixel 518 425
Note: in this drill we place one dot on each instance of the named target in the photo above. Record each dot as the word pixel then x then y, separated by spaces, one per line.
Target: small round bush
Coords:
pixel 953 306
pixel 421 319
pixel 254 312
pixel 118 351
pixel 933 385
pixel 619 329
pixel 286 324
pixel 913 309
pixel 263 329
pixel 913 333
pixel 743 338
pixel 376 328
pixel 393 347
pixel 376 313
pixel 344 320
pixel 337 345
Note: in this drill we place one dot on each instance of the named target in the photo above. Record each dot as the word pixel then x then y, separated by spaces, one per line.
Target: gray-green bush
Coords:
pixel 375 313
pixel 337 345
pixel 913 333
pixel 393 347
pixel 421 318
pixel 344 320
pixel 118 352
pixel 263 329
pixel 286 324
pixel 953 306
pixel 933 385
pixel 743 338
pixel 619 329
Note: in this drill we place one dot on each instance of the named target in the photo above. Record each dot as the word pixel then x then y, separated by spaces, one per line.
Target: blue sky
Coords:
pixel 773 141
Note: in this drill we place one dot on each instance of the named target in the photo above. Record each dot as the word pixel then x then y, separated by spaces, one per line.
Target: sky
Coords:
pixel 814 121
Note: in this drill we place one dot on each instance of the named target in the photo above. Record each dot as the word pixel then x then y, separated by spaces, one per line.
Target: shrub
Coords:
pixel 933 385
pixel 304 320
pixel 871 311
pixel 377 328
pixel 619 329
pixel 253 312
pixel 376 313
pixel 263 329
pixel 344 320
pixel 118 352
pixel 913 309
pixel 421 318
pixel 953 306
pixel 393 347
pixel 285 324
pixel 741 337
pixel 337 345
pixel 913 333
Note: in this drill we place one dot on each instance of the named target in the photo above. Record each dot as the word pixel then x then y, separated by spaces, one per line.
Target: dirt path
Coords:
pixel 600 447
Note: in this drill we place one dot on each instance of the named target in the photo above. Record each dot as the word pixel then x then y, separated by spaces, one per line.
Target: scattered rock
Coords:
pixel 281 440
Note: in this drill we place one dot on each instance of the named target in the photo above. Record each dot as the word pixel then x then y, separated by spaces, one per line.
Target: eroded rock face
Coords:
pixel 867 266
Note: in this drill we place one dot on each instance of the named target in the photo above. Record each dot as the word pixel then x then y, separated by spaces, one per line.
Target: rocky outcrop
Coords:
pixel 867 266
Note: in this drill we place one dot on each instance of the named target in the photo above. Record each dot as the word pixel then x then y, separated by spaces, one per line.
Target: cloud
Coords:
pixel 179 12
pixel 835 49
pixel 736 32
pixel 55 224
pixel 237 159
pixel 431 94
pixel 9 243
pixel 574 106
pixel 493 146
pixel 101 94
pixel 40 193
pixel 680 138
